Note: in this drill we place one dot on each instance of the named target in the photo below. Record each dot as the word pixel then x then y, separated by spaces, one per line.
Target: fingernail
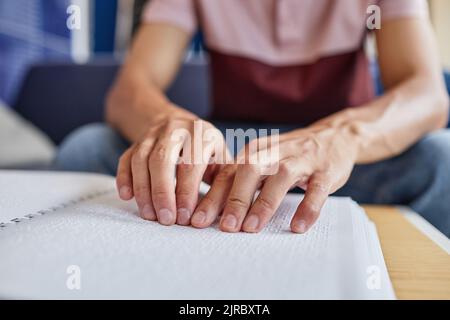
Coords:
pixel 184 216
pixel 230 222
pixel 252 223
pixel 300 226
pixel 124 192
pixel 148 212
pixel 165 217
pixel 199 218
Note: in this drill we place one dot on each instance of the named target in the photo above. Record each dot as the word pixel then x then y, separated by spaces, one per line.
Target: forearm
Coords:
pixel 390 124
pixel 137 99
pixel 134 104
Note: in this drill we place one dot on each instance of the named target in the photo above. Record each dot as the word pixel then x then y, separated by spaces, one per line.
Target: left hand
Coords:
pixel 318 159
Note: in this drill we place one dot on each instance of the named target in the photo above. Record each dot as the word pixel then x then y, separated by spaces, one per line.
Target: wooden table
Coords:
pixel 419 268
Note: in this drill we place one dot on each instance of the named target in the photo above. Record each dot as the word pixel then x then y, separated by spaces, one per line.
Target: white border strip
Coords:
pixel 81 39
pixel 124 25
pixel 426 228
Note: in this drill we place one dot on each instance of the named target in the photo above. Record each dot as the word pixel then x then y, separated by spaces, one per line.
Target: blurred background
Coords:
pixel 56 64
pixel 34 31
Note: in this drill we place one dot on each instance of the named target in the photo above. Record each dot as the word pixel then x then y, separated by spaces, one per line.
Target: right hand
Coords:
pixel 147 170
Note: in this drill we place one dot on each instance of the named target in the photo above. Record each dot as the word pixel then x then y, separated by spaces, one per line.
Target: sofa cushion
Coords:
pixel 23 146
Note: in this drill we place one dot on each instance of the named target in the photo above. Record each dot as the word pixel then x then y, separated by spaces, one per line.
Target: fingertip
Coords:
pixel 305 217
pixel 229 223
pixel 299 226
pixel 166 217
pixel 183 217
pixel 251 224
pixel 125 193
pixel 199 220
pixel 148 213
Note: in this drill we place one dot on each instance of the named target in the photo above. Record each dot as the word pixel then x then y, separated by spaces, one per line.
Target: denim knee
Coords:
pixel 433 152
pixel 92 148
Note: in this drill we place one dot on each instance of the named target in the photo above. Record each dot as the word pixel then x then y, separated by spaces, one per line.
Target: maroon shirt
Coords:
pixel 287 61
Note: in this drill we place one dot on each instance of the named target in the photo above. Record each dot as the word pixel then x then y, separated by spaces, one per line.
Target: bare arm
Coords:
pixel 320 158
pixel 415 102
pixel 137 98
pixel 158 130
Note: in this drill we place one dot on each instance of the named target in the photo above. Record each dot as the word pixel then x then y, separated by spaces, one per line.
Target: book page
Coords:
pixel 24 193
pixel 122 256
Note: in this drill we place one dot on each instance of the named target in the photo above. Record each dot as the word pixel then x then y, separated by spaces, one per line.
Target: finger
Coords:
pixel 221 159
pixel 241 197
pixel 141 179
pixel 308 211
pixel 212 204
pixel 189 177
pixel 272 194
pixel 162 174
pixel 124 180
pixel 211 172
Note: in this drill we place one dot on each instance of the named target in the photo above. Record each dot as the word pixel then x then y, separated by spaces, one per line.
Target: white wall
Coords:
pixel 81 38
pixel 440 16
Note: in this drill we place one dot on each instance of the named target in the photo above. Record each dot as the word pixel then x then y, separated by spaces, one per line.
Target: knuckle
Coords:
pixel 183 192
pixel 319 186
pixel 154 130
pixel 159 154
pixel 159 193
pixel 326 174
pixel 265 204
pixel 174 124
pixel 286 168
pixel 225 175
pixel 142 193
pixel 123 163
pixel 206 123
pixel 186 168
pixel 123 171
pixel 141 154
pixel 207 201
pixel 123 158
pixel 123 177
pixel 309 144
pixel 235 202
pixel 252 169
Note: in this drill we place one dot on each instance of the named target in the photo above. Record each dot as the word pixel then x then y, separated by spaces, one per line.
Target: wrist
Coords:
pixel 170 111
pixel 346 134
pixel 353 136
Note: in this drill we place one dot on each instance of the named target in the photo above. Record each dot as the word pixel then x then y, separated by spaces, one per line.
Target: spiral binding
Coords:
pixel 79 200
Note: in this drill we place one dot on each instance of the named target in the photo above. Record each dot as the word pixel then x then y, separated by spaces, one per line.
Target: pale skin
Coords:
pixel 318 159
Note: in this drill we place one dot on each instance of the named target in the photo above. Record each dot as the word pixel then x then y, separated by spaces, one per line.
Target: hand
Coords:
pixel 183 146
pixel 319 160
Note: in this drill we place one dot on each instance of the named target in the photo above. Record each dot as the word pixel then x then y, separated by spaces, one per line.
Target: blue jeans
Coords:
pixel 418 178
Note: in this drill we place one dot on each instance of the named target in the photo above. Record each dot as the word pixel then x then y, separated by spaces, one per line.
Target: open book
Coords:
pixel 69 236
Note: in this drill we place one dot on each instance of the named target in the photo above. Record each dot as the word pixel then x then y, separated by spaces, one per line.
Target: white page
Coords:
pixel 378 261
pixel 23 193
pixel 122 256
pixel 367 248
